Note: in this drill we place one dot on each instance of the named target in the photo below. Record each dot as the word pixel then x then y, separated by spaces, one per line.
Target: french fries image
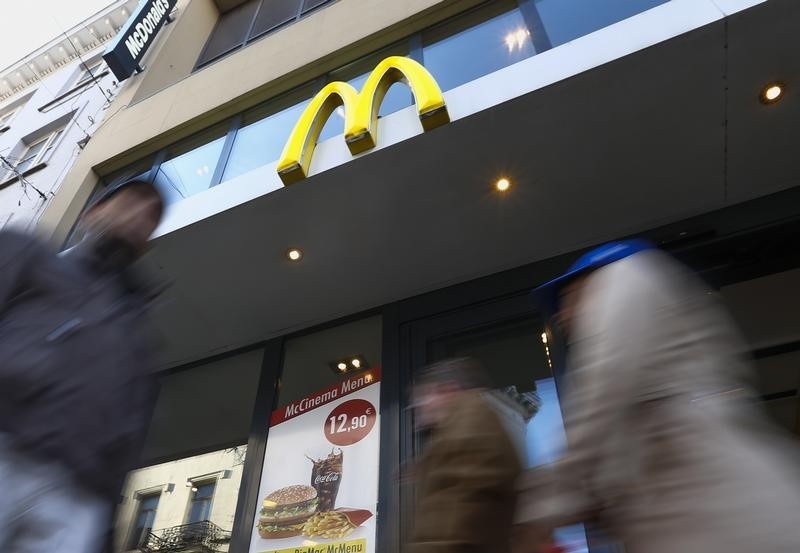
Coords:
pixel 329 525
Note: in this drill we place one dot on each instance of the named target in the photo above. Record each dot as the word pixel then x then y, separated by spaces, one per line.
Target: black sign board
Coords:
pixel 126 51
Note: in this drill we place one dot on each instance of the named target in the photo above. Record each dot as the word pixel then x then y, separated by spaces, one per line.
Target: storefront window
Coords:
pixel 261 142
pixel 455 57
pixel 518 358
pixel 168 505
pixel 566 20
pixel 189 169
pixel 187 487
pixel 319 482
pixel 455 52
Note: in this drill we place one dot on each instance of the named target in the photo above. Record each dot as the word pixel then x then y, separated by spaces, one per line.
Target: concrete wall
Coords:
pixel 173 505
pixel 166 102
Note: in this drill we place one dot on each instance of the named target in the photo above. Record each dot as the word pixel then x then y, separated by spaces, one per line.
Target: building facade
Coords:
pixel 51 103
pixel 386 181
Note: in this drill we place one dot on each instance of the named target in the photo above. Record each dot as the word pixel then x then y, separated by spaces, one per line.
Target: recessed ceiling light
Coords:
pixel 349 364
pixel 294 254
pixel 502 184
pixel 772 93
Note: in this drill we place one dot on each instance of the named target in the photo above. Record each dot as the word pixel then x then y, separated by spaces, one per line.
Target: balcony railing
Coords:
pixel 198 537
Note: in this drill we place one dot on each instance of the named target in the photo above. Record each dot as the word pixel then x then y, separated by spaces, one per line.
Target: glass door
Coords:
pixel 524 360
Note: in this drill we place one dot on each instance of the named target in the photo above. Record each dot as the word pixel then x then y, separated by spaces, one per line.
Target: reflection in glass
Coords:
pixel 479 50
pixel 201 490
pixel 546 442
pixel 189 173
pixel 143 525
pixel 202 494
pixel 566 20
pixel 261 142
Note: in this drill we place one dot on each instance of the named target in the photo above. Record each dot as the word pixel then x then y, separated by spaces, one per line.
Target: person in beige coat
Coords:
pixel 667 450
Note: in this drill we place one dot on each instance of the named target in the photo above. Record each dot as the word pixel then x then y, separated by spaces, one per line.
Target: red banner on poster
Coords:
pixel 352 384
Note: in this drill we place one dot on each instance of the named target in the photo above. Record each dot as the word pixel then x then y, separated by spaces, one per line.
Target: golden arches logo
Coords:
pixel 360 112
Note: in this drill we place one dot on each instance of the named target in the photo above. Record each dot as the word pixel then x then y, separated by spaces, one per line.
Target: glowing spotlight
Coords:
pixel 294 254
pixel 502 184
pixel 772 93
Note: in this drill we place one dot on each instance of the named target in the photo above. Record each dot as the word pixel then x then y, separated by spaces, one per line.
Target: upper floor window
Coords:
pixel 88 71
pixel 200 507
pixel 143 523
pixel 464 48
pixel 5 118
pixel 250 20
pixel 38 151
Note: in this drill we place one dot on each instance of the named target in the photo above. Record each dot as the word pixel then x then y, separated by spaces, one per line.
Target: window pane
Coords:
pixel 150 502
pixel 179 424
pixel 189 173
pixel 230 31
pixel 501 41
pixel 261 142
pixel 311 4
pixel 201 503
pixel 519 367
pixel 204 491
pixel 51 143
pixel 300 451
pixel 24 165
pixel 566 20
pixel 274 13
pixel 34 149
pixel 144 520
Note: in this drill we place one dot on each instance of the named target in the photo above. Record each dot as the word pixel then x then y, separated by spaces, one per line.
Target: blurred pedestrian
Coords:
pixel 466 478
pixel 76 391
pixel 666 447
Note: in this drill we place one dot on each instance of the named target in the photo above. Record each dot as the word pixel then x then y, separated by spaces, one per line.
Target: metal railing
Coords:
pixel 198 537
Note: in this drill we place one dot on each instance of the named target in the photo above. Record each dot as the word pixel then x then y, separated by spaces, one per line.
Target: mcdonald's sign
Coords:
pixel 360 113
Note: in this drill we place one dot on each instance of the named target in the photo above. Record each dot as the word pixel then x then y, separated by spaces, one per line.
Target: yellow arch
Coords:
pixel 361 112
pixel 296 157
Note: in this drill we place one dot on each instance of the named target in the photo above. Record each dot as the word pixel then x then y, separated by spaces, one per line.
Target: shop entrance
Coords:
pixel 525 361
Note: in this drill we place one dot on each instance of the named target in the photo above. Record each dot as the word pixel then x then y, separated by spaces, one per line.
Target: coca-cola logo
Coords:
pixel 324 478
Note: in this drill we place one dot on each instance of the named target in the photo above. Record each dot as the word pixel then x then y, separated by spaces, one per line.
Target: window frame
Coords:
pixel 88 72
pixel 133 530
pixel 49 140
pixel 249 36
pixel 193 499
pixel 8 117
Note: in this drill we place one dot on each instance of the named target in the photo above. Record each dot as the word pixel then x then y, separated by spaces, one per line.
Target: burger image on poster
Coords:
pixel 304 453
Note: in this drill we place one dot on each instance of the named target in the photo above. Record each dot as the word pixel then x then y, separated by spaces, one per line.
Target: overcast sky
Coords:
pixel 29 24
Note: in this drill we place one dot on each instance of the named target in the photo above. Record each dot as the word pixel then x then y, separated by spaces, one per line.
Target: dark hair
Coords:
pixel 135 183
pixel 466 372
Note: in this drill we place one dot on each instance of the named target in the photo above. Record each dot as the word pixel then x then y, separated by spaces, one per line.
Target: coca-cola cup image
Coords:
pixel 326 476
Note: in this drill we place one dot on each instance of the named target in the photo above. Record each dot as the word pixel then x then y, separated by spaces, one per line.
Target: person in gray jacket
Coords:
pixel 667 449
pixel 76 385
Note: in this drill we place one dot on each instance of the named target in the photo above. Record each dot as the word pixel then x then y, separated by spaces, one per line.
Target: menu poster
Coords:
pixel 319 484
